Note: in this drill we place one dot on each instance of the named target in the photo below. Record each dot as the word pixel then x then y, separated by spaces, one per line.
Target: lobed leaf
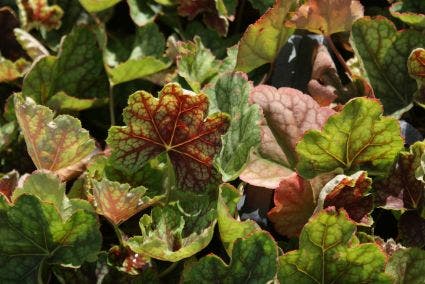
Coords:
pixel 356 138
pixel 39 14
pixel 329 252
pixel 262 41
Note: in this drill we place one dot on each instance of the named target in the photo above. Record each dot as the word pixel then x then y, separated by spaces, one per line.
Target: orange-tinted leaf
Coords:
pixel 38 13
pixel 327 16
pixel 117 202
pixel 294 205
pixel 350 193
pixel 175 123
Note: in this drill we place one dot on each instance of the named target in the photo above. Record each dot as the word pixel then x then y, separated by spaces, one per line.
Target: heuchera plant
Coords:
pixel 212 141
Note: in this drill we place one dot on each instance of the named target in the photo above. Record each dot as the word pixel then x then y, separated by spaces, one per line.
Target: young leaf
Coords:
pixel 44 231
pixel 352 194
pixel 407 266
pixel 119 202
pixel 327 16
pixel 244 131
pixel 53 144
pixel 77 70
pixel 253 261
pixel 402 190
pixel 294 205
pixel 175 124
pixel 177 231
pixel 229 226
pixel 261 42
pixel 411 12
pixel 383 52
pixel 38 14
pixel 329 252
pixel 357 138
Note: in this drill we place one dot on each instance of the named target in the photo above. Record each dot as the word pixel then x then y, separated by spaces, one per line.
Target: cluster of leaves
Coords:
pixel 191 146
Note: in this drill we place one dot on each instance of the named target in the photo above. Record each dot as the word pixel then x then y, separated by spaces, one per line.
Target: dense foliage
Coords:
pixel 212 141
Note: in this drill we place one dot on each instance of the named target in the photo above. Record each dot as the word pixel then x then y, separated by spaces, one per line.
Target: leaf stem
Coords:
pixel 338 55
pixel 168 270
pixel 119 234
pixel 111 104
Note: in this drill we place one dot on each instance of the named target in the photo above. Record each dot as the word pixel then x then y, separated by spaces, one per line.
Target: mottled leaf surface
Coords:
pixel 358 137
pixel 329 252
pixel 262 41
pixel 327 16
pixel 253 261
pixel 407 266
pixel 384 52
pixel 174 123
pixel 39 14
pixel 8 183
pixel 52 143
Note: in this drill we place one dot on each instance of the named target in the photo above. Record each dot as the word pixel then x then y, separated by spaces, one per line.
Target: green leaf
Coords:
pixel 262 5
pixel 136 68
pixel 384 52
pixel 53 144
pixel 8 134
pixel 143 12
pixel 77 70
pixel 410 12
pixel 329 252
pixel 195 63
pixel 229 226
pixel 37 233
pixel 253 261
pixel 31 45
pixel 178 230
pixel 407 266
pixel 261 42
pixel 119 202
pixel 98 5
pixel 358 137
pixel 327 17
pixel 174 123
pixel 10 71
pixel 226 8
pixel 244 132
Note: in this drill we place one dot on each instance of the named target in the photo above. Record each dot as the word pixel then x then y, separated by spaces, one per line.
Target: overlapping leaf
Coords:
pixel 329 252
pixel 230 94
pixel 253 261
pixel 53 144
pixel 410 11
pixel 407 266
pixel 118 202
pixel 351 193
pixel 383 52
pixel 44 230
pixel 262 41
pixel 77 70
pixel 327 16
pixel 178 230
pixel 98 5
pixel 175 123
pixel 402 190
pixel 8 183
pixel 357 138
pixel 412 229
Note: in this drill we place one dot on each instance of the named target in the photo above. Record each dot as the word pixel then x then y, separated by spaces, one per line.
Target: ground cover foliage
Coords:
pixel 212 141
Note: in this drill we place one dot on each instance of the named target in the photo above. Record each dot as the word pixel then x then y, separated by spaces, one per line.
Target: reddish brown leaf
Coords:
pixel 38 13
pixel 8 183
pixel 175 123
pixel 327 16
pixel 412 229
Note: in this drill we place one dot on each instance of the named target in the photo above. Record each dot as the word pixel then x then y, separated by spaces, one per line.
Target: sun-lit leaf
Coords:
pixel 329 252
pixel 358 137
pixel 402 190
pixel 77 70
pixel 8 183
pixel 39 14
pixel 412 229
pixel 407 266
pixel 327 16
pixel 411 12
pixel 253 261
pixel 118 202
pixel 351 193
pixel 178 230
pixel 175 123
pixel 262 41
pixel 143 12
pixel 383 52
pixel 53 143
pixel 44 230
pixel 229 226
pixel 230 95
pixel 10 71
pixel 294 204
pixel 98 5
pixel 30 44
